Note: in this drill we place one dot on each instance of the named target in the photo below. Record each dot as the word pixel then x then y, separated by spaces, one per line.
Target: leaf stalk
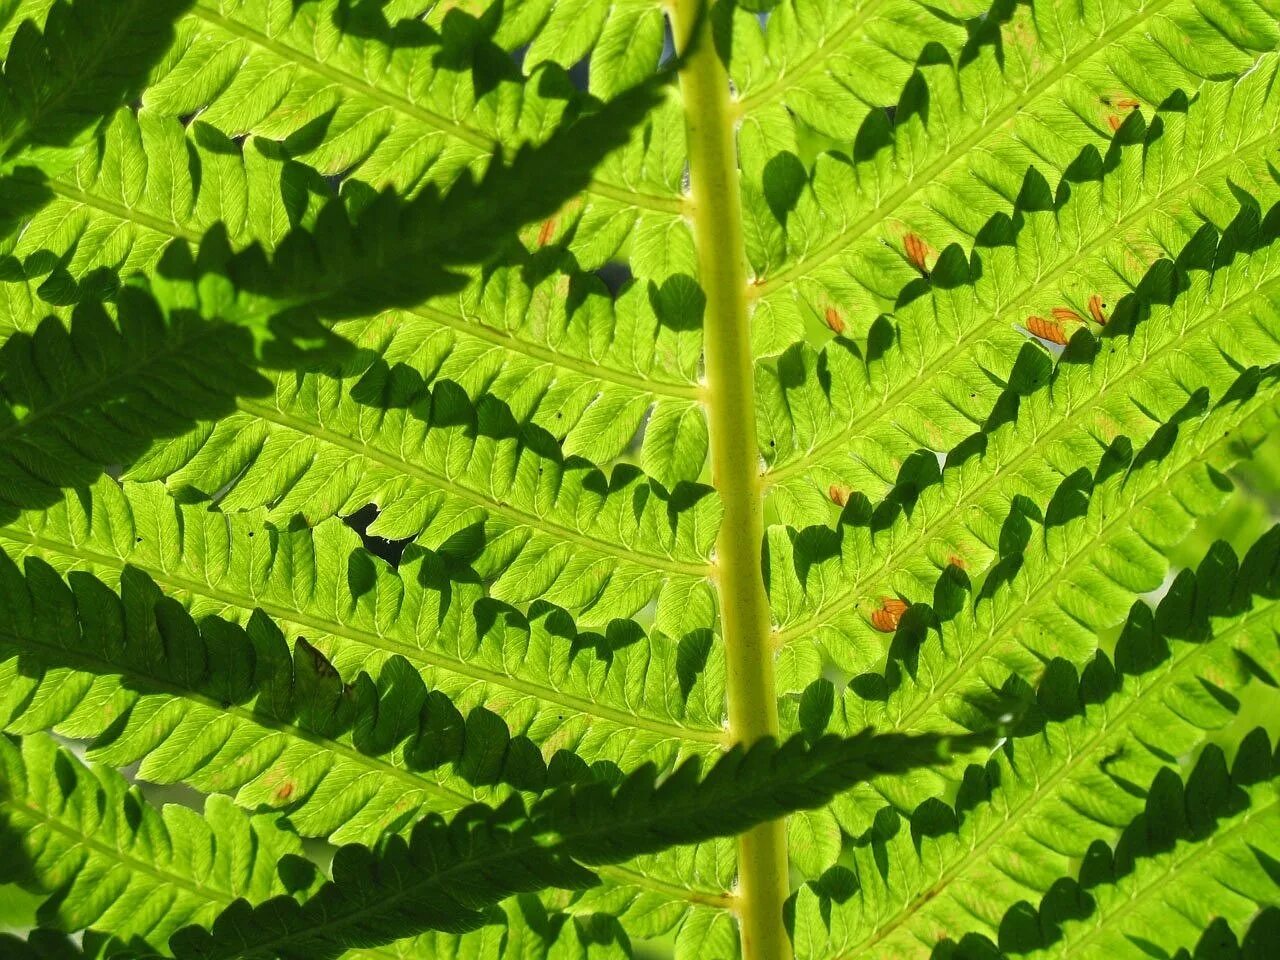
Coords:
pixel 763 880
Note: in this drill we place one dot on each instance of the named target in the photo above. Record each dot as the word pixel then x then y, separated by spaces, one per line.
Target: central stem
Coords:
pixel 744 608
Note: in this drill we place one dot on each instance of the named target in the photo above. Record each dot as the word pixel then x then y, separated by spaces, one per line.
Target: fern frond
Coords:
pixel 1137 381
pixel 1201 851
pixel 1100 537
pixel 1076 771
pixel 251 69
pixel 444 101
pixel 142 182
pixel 617 696
pixel 828 65
pixel 445 872
pixel 547 489
pixel 131 874
pixel 1071 583
pixel 70 63
pixel 394 104
pixel 157 373
pixel 109 859
pixel 446 877
pixel 43 945
pixel 1061 584
pixel 1027 88
pixel 545 523
pixel 422 424
pixel 139 188
pixel 933 372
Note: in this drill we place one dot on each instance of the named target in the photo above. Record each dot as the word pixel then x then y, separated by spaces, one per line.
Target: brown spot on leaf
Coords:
pixel 1096 308
pixel 917 252
pixel 957 561
pixel 889 614
pixel 839 494
pixel 834 321
pixel 546 231
pixel 1046 330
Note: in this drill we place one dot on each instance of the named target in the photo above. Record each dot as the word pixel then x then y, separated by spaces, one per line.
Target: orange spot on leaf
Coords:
pixel 839 494
pixel 284 791
pixel 546 231
pixel 887 617
pixel 957 561
pixel 917 252
pixel 1066 315
pixel 834 321
pixel 1096 308
pixel 1114 122
pixel 1046 330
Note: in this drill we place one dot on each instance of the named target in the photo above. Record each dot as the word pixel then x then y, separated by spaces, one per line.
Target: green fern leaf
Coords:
pixel 106 857
pixel 103 853
pixel 462 645
pixel 443 878
pixel 408 405
pixel 1069 776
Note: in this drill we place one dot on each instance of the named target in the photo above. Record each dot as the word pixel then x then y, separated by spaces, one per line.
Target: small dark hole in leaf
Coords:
pixel 389 550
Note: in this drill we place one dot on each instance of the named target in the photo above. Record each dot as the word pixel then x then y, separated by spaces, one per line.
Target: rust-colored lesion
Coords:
pixel 917 252
pixel 1049 330
pixel 888 615
pixel 835 322
pixel 1097 310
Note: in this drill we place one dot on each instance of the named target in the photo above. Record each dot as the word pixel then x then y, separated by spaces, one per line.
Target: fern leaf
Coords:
pixel 1074 583
pixel 457 640
pixel 1057 589
pixel 455 871
pixel 1076 771
pixel 444 96
pixel 445 872
pixel 951 357
pixel 1201 851
pixel 141 183
pixel 1059 429
pixel 43 945
pixel 109 859
pixel 364 463
pixel 1025 89
pixel 115 213
pixel 68 64
pixel 478 456
pixel 1104 534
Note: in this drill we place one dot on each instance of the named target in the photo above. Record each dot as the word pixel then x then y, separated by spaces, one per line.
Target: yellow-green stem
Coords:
pixel 744 609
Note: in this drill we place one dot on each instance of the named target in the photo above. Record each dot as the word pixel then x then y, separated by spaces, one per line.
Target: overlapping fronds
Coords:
pixel 358 367
pixel 1077 768
pixel 444 877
